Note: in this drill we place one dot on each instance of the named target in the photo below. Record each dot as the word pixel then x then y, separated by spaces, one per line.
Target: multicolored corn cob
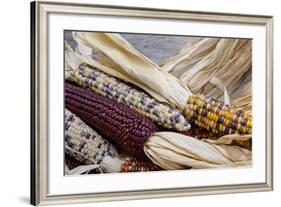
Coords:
pixel 111 87
pixel 83 143
pixel 131 164
pixel 199 133
pixel 114 120
pixel 84 146
pixel 217 117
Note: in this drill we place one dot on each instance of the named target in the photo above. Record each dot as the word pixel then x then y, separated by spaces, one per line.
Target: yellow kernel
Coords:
pixel 244 130
pixel 249 123
pixel 238 126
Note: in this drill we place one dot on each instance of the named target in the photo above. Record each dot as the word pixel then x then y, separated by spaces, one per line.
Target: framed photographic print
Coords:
pixel 134 103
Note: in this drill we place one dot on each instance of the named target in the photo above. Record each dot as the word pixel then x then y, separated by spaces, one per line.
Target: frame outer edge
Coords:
pixel 42 102
pixel 39 126
pixel 33 154
pixel 269 104
pixel 159 12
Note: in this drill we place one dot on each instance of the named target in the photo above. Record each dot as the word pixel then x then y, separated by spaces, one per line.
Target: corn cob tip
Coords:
pixel 112 164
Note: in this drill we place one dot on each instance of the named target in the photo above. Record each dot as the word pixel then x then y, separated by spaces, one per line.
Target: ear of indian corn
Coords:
pixel 83 143
pixel 199 133
pixel 131 164
pixel 116 121
pixel 217 117
pixel 84 146
pixel 223 114
pixel 114 88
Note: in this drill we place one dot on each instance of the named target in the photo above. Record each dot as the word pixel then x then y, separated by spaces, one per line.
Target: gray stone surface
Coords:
pixel 158 47
pixel 155 47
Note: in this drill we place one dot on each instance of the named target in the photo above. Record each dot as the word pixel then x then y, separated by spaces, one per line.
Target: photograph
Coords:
pixel 139 102
pixel 132 103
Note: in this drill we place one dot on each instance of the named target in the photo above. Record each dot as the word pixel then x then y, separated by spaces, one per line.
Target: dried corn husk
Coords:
pixel 208 64
pixel 135 67
pixel 212 66
pixel 244 141
pixel 242 98
pixel 188 56
pixel 73 59
pixel 228 139
pixel 232 73
pixel 173 151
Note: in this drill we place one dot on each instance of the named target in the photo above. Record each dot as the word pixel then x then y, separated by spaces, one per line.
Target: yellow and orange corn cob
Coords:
pixel 217 117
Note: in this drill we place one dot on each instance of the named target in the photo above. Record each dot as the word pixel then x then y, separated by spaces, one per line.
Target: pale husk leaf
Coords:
pixel 73 60
pixel 214 66
pixel 137 68
pixel 228 139
pixel 199 75
pixel 188 56
pixel 172 150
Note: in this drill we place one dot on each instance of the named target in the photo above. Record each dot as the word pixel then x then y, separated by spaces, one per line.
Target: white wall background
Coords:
pixel 14 102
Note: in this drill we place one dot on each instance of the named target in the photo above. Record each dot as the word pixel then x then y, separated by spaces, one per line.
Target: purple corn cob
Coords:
pixel 127 128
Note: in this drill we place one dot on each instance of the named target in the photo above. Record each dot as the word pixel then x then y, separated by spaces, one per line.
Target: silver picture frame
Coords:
pixel 39 100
